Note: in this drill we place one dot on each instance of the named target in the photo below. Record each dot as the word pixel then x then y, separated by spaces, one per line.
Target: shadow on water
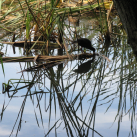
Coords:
pixel 73 90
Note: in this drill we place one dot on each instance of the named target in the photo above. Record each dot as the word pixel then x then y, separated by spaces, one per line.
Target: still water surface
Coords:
pixel 62 101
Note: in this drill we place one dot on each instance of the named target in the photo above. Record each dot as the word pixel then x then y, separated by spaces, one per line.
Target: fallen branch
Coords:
pixel 46 58
pixel 38 44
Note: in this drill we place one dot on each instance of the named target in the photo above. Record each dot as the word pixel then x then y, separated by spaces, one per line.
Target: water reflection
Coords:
pixel 84 67
pixel 74 124
pixel 58 101
pixel 68 94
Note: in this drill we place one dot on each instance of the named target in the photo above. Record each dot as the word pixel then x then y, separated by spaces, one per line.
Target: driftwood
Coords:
pixel 38 44
pixel 46 58
pixel 50 61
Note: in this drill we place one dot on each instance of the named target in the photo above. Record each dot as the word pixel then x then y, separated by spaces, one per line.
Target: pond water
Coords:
pixel 71 99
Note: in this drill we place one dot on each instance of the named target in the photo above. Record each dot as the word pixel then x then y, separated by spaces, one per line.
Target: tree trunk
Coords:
pixel 127 10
